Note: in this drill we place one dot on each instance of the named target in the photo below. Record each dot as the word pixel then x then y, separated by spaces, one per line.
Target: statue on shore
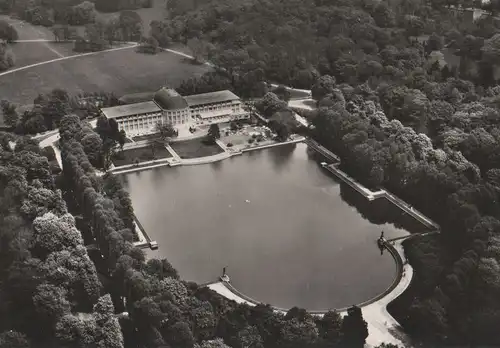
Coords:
pixel 224 277
pixel 381 243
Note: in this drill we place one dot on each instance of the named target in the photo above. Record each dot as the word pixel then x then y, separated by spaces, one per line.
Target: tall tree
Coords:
pixel 10 115
pixel 131 25
pixel 166 131
pixel 213 132
pixel 324 86
pixel 354 328
pixel 180 335
pixel 7 32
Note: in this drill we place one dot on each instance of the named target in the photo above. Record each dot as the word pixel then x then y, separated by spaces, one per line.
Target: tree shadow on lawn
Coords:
pixel 196 148
pixel 142 154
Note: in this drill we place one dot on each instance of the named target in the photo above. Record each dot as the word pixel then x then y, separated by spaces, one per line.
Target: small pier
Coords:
pixel 332 168
pixel 144 240
pixel 322 150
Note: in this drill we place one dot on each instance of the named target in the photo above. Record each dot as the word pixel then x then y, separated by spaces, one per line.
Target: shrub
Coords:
pixel 49 152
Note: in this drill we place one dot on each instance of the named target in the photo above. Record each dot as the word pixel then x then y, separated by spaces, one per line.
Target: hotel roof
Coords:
pixel 169 99
pixel 136 97
pixel 130 109
pixel 209 98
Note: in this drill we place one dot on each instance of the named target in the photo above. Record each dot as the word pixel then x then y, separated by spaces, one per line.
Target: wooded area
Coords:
pixel 408 98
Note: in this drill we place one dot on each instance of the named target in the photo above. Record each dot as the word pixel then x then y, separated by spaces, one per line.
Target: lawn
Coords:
pixel 27 31
pixel 34 52
pixel 195 148
pixel 121 72
pixel 143 154
pixel 28 53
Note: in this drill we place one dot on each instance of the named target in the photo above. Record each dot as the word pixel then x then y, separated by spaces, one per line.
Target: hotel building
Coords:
pixel 168 106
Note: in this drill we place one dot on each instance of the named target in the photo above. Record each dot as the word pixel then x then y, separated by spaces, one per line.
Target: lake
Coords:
pixel 288 232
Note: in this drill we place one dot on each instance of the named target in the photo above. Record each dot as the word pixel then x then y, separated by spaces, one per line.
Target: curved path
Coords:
pixel 381 325
pixel 11 71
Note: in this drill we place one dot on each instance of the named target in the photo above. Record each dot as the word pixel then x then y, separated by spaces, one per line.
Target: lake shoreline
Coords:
pixel 174 162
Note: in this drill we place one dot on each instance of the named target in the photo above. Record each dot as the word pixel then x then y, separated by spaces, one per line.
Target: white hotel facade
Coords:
pixel 168 106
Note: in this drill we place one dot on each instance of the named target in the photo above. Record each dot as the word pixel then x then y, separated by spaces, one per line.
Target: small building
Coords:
pixel 168 106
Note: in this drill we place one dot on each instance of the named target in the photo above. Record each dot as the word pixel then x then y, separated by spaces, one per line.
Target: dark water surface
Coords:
pixel 296 242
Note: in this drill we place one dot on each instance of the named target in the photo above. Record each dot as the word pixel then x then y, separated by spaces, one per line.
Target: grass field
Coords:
pixel 143 154
pixel 28 53
pixel 121 72
pixel 27 31
pixel 195 148
pixel 34 52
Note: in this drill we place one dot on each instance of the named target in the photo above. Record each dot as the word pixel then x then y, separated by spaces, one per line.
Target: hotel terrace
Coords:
pixel 168 106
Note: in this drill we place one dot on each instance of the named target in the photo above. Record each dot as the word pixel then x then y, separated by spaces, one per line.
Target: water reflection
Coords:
pixel 380 211
pixel 125 181
pixel 281 155
pixel 158 174
pixel 216 165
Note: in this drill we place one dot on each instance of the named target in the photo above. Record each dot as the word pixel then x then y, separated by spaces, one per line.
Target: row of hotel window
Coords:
pixel 234 107
pixel 149 122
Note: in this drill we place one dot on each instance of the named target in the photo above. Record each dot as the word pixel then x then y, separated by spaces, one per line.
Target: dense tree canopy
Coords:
pixel 407 96
pixel 46 273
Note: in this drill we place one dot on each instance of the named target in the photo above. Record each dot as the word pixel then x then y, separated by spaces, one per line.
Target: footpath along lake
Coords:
pixel 288 232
